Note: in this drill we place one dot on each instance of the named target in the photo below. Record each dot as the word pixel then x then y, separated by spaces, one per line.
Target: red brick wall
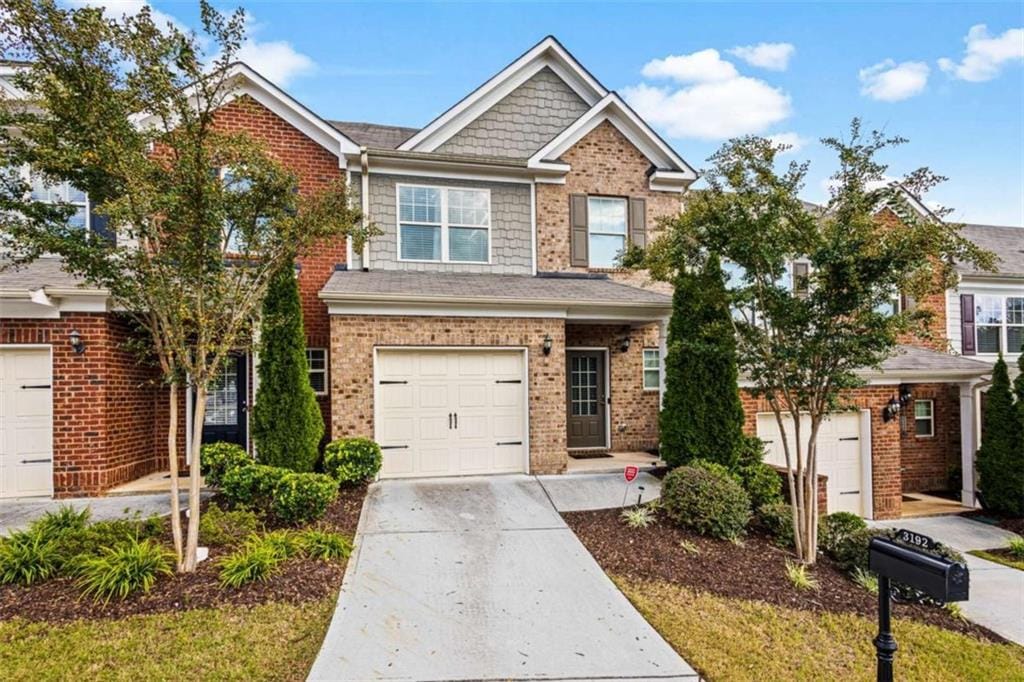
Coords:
pixel 926 460
pixel 634 411
pixel 103 402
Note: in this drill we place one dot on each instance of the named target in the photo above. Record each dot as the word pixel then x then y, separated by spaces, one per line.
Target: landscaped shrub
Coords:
pixel 252 486
pixel 852 552
pixel 325 545
pixel 124 569
pixel 710 503
pixel 352 460
pixel 835 528
pixel 283 542
pixel 254 561
pixel 761 481
pixel 302 498
pixel 28 557
pixel 777 520
pixel 65 520
pixel 76 545
pixel 220 527
pixel 1000 458
pixel 713 467
pixel 638 517
pixel 216 459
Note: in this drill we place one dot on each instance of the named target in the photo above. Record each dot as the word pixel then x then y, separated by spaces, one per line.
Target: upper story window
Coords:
pixel 444 224
pixel 999 323
pixel 62 193
pixel 607 226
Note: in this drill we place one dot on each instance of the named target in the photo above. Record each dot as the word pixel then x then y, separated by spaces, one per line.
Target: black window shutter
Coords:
pixel 967 346
pixel 578 250
pixel 638 222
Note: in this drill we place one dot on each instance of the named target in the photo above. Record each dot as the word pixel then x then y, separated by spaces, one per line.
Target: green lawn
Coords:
pixel 733 639
pixel 999 559
pixel 267 642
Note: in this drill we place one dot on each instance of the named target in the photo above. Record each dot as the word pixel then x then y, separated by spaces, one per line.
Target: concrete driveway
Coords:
pixel 480 579
pixel 997 591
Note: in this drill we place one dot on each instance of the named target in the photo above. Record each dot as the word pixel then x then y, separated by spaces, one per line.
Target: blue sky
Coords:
pixel 900 67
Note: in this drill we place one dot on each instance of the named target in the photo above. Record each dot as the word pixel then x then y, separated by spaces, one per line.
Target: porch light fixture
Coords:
pixel 905 395
pixel 547 344
pixel 75 341
pixel 624 343
pixel 891 409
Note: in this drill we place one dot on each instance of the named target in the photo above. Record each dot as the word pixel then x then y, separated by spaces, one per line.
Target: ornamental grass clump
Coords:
pixel 800 577
pixel 254 561
pixel 122 570
pixel 638 517
pixel 28 557
pixel 325 545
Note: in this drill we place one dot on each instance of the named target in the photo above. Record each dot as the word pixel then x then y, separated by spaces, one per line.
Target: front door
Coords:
pixel 585 395
pixel 225 419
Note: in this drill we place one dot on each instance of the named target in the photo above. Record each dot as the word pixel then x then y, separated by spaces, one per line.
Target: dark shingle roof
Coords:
pixel 920 360
pixel 43 273
pixel 400 285
pixel 1006 242
pixel 373 135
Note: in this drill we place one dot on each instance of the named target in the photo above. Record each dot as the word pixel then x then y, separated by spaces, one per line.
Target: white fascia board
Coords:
pixel 546 53
pixel 347 304
pixel 429 168
pixel 613 109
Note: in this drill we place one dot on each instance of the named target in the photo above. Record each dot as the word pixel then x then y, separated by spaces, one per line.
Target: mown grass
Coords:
pixel 267 642
pixel 999 559
pixel 735 639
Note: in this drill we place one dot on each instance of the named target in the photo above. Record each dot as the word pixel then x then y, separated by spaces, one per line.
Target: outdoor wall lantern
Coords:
pixel 905 395
pixel 624 344
pixel 547 344
pixel 75 341
pixel 891 409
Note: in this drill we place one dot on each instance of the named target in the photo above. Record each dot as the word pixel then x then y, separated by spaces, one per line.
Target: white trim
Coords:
pixel 445 225
pixel 49 348
pixel 930 418
pixel 614 110
pixel 348 240
pixel 607 398
pixel 533 228
pixel 409 306
pixel 644 370
pixel 867 486
pixel 451 170
pixel 546 53
pixel 326 370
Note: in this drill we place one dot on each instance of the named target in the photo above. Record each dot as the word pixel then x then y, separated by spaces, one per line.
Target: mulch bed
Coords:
pixel 753 570
pixel 297 581
pixel 1005 553
pixel 1014 524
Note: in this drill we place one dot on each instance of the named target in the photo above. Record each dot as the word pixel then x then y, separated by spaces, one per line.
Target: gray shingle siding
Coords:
pixel 511 250
pixel 523 121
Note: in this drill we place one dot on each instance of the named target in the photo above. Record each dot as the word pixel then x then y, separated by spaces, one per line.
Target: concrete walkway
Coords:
pixel 581 492
pixel 17 514
pixel 480 579
pixel 997 591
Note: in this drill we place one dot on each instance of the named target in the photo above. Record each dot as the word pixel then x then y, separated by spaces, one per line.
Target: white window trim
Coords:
pixel 645 369
pixel 930 418
pixel 591 232
pixel 324 371
pixel 445 225
pixel 1004 327
pixel 25 172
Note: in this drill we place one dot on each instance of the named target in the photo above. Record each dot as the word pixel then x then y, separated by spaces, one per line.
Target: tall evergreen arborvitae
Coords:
pixel 702 416
pixel 1000 460
pixel 287 425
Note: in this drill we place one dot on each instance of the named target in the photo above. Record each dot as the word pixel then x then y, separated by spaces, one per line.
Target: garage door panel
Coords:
pixel 472 364
pixel 433 461
pixel 398 462
pixel 433 396
pixel 397 430
pixel 434 428
pixel 508 395
pixel 473 426
pixel 432 365
pixel 473 395
pixel 26 423
pixel 508 427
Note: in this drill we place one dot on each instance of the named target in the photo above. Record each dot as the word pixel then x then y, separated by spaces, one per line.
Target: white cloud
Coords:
pixel 888 81
pixel 712 111
pixel 699 67
pixel 117 9
pixel 277 60
pixel 793 141
pixel 771 56
pixel 985 55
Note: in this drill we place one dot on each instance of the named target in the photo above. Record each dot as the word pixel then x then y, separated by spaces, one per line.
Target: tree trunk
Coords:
pixel 172 459
pixel 192 540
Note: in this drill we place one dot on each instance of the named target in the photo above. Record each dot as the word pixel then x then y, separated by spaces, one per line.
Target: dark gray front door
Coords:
pixel 585 398
pixel 225 419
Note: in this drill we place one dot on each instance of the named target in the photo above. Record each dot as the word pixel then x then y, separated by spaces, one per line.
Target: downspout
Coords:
pixel 364 196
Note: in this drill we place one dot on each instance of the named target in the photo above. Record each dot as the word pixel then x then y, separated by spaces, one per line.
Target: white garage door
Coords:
pixel 26 430
pixel 839 455
pixel 451 413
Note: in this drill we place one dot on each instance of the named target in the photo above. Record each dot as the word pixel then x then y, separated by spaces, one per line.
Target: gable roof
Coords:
pixel 374 135
pixel 547 53
pixel 1004 241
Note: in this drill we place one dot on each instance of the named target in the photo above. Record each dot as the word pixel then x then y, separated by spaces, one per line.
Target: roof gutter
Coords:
pixel 340 297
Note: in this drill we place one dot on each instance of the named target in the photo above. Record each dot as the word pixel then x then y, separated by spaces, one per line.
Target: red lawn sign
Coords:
pixel 630 473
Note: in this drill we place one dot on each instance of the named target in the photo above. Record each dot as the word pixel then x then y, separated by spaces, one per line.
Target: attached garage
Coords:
pixel 843 456
pixel 451 412
pixel 26 422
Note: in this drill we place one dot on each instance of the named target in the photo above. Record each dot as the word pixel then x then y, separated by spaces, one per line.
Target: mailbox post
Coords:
pixel 939 578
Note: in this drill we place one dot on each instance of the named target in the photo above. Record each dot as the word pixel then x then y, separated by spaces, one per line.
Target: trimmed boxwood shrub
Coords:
pixel 852 551
pixel 352 460
pixel 220 527
pixel 761 481
pixel 777 520
pixel 253 485
pixel 710 503
pixel 216 459
pixel 302 498
pixel 835 528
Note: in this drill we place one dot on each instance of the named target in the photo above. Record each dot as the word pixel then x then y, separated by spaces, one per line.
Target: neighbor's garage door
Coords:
pixel 450 413
pixel 26 430
pixel 839 455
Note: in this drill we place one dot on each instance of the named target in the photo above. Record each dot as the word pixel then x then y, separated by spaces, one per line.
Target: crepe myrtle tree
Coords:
pixel 125 110
pixel 801 344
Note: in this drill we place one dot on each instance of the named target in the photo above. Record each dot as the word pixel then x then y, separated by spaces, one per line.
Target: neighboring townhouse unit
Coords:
pixel 486 330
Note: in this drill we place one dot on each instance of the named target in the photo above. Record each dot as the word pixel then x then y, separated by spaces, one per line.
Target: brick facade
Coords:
pixel 927 461
pixel 104 431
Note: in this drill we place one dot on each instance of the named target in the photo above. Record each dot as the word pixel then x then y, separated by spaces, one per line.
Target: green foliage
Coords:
pixel 1016 547
pixel 866 579
pixel 638 517
pixel 219 458
pixel 701 415
pixel 836 528
pixel 302 498
pixel 220 527
pixel 762 482
pixel 1000 458
pixel 287 424
pixel 28 557
pixel 777 519
pixel 352 460
pixel 710 503
pixel 53 525
pixel 77 545
pixel 124 569
pixel 852 552
pixel 325 545
pixel 252 486
pixel 254 561
pixel 799 576
pixel 283 542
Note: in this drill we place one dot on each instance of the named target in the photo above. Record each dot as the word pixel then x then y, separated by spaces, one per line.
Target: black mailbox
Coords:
pixel 941 579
